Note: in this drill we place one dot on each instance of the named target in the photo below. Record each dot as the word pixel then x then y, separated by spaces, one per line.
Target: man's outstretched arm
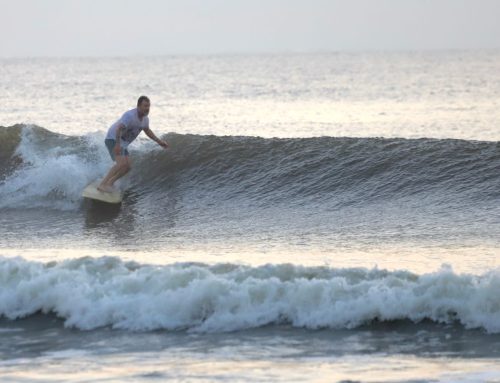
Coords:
pixel 151 135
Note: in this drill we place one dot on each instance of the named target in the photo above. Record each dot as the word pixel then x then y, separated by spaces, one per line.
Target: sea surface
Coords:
pixel 326 217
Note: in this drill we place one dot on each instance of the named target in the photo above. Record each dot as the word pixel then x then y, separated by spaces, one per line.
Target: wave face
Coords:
pixel 89 293
pixel 42 168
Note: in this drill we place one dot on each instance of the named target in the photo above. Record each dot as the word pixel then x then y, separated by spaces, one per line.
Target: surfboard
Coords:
pixel 91 192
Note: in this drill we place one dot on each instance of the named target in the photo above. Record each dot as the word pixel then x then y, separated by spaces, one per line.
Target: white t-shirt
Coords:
pixel 133 126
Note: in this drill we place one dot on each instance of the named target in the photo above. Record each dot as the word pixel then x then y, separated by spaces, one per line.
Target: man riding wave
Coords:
pixel 119 137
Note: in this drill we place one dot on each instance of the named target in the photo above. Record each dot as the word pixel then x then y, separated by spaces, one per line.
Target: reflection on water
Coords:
pixel 141 220
pixel 97 212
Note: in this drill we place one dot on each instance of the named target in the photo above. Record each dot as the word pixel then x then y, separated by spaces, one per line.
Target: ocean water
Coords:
pixel 317 217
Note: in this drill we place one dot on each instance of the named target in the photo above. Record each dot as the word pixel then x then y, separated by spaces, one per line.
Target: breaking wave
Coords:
pixel 42 168
pixel 89 293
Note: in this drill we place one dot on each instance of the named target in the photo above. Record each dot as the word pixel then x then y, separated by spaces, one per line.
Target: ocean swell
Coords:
pixel 49 169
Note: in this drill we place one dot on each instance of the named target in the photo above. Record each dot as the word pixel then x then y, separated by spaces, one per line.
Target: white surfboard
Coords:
pixel 91 192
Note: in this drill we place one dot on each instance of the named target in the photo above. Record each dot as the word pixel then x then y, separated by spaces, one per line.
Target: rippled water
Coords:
pixel 433 94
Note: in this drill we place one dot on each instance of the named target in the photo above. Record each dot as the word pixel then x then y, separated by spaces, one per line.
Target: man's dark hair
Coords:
pixel 141 99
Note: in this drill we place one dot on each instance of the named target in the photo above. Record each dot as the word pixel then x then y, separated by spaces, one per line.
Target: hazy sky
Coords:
pixel 132 27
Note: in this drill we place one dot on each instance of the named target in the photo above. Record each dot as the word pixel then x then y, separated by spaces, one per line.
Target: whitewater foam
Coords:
pixel 54 170
pixel 94 292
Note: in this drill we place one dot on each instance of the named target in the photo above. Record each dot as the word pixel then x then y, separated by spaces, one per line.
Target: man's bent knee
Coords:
pixel 123 164
pixel 125 167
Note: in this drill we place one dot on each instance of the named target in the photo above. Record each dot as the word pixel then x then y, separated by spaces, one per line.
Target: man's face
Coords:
pixel 144 108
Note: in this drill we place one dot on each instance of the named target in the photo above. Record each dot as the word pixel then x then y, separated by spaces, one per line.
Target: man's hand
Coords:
pixel 117 149
pixel 151 135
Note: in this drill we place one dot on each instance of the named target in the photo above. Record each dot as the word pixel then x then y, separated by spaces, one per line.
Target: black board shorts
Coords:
pixel 110 144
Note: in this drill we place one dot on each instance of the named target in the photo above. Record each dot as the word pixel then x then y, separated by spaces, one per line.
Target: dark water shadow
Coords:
pixel 97 212
pixel 41 333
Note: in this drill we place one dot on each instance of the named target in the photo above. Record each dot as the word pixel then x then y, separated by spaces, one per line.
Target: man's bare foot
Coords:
pixel 105 189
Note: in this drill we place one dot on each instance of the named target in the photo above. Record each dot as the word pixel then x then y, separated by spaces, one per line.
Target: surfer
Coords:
pixel 119 137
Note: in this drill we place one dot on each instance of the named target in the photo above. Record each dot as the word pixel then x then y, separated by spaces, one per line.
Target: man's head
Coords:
pixel 143 105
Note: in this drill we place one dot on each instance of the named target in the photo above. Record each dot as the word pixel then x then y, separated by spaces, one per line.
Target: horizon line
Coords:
pixel 257 53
